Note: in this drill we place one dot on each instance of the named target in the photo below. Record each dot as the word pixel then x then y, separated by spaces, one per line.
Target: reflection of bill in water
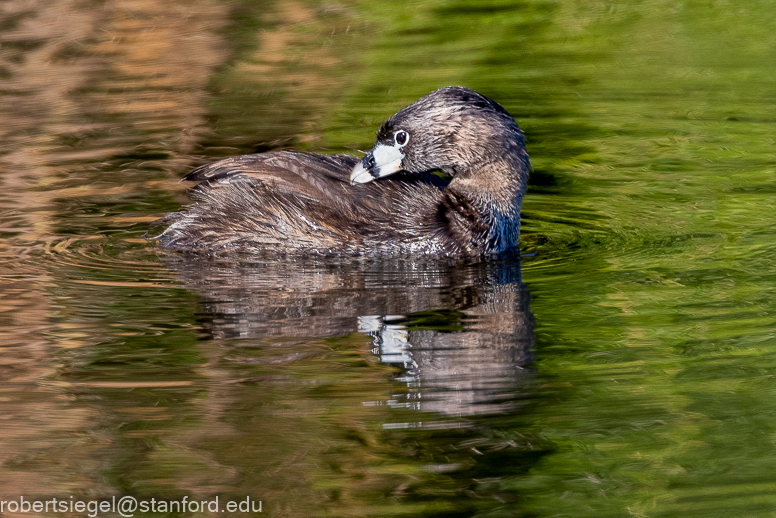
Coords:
pixel 460 362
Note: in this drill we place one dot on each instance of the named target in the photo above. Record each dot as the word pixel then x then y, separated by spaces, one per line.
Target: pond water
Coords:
pixel 625 366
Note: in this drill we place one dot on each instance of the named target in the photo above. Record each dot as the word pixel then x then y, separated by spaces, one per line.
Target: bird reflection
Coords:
pixel 461 334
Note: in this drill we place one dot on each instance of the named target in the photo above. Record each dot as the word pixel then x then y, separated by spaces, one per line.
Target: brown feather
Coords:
pixel 304 202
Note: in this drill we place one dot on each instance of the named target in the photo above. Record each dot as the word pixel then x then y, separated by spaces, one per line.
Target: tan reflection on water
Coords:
pixel 100 73
pixel 81 86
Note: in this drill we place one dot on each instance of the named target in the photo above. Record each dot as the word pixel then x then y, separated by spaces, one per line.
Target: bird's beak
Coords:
pixel 382 161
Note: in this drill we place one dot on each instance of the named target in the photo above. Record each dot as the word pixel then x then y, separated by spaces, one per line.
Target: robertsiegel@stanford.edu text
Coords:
pixel 126 506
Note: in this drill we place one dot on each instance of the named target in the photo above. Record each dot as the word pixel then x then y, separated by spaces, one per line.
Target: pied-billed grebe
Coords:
pixel 330 204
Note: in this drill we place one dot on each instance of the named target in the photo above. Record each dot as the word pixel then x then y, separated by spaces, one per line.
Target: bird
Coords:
pixel 446 177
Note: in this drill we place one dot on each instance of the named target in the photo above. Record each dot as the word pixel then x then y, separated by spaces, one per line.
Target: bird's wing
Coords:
pixel 314 176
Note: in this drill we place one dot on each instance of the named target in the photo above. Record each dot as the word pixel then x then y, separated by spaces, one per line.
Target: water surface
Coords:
pixel 623 367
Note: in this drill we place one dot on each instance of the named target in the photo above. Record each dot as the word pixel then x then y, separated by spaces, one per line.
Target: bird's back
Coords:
pixel 300 202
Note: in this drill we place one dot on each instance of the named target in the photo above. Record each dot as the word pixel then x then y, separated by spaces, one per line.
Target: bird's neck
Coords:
pixel 493 193
pixel 496 183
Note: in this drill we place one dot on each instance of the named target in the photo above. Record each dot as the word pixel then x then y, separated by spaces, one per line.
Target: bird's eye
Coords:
pixel 401 137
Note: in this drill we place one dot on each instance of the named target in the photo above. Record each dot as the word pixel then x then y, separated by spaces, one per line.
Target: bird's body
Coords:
pixel 312 203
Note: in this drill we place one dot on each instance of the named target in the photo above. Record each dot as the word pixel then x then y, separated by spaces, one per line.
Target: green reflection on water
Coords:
pixel 646 123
